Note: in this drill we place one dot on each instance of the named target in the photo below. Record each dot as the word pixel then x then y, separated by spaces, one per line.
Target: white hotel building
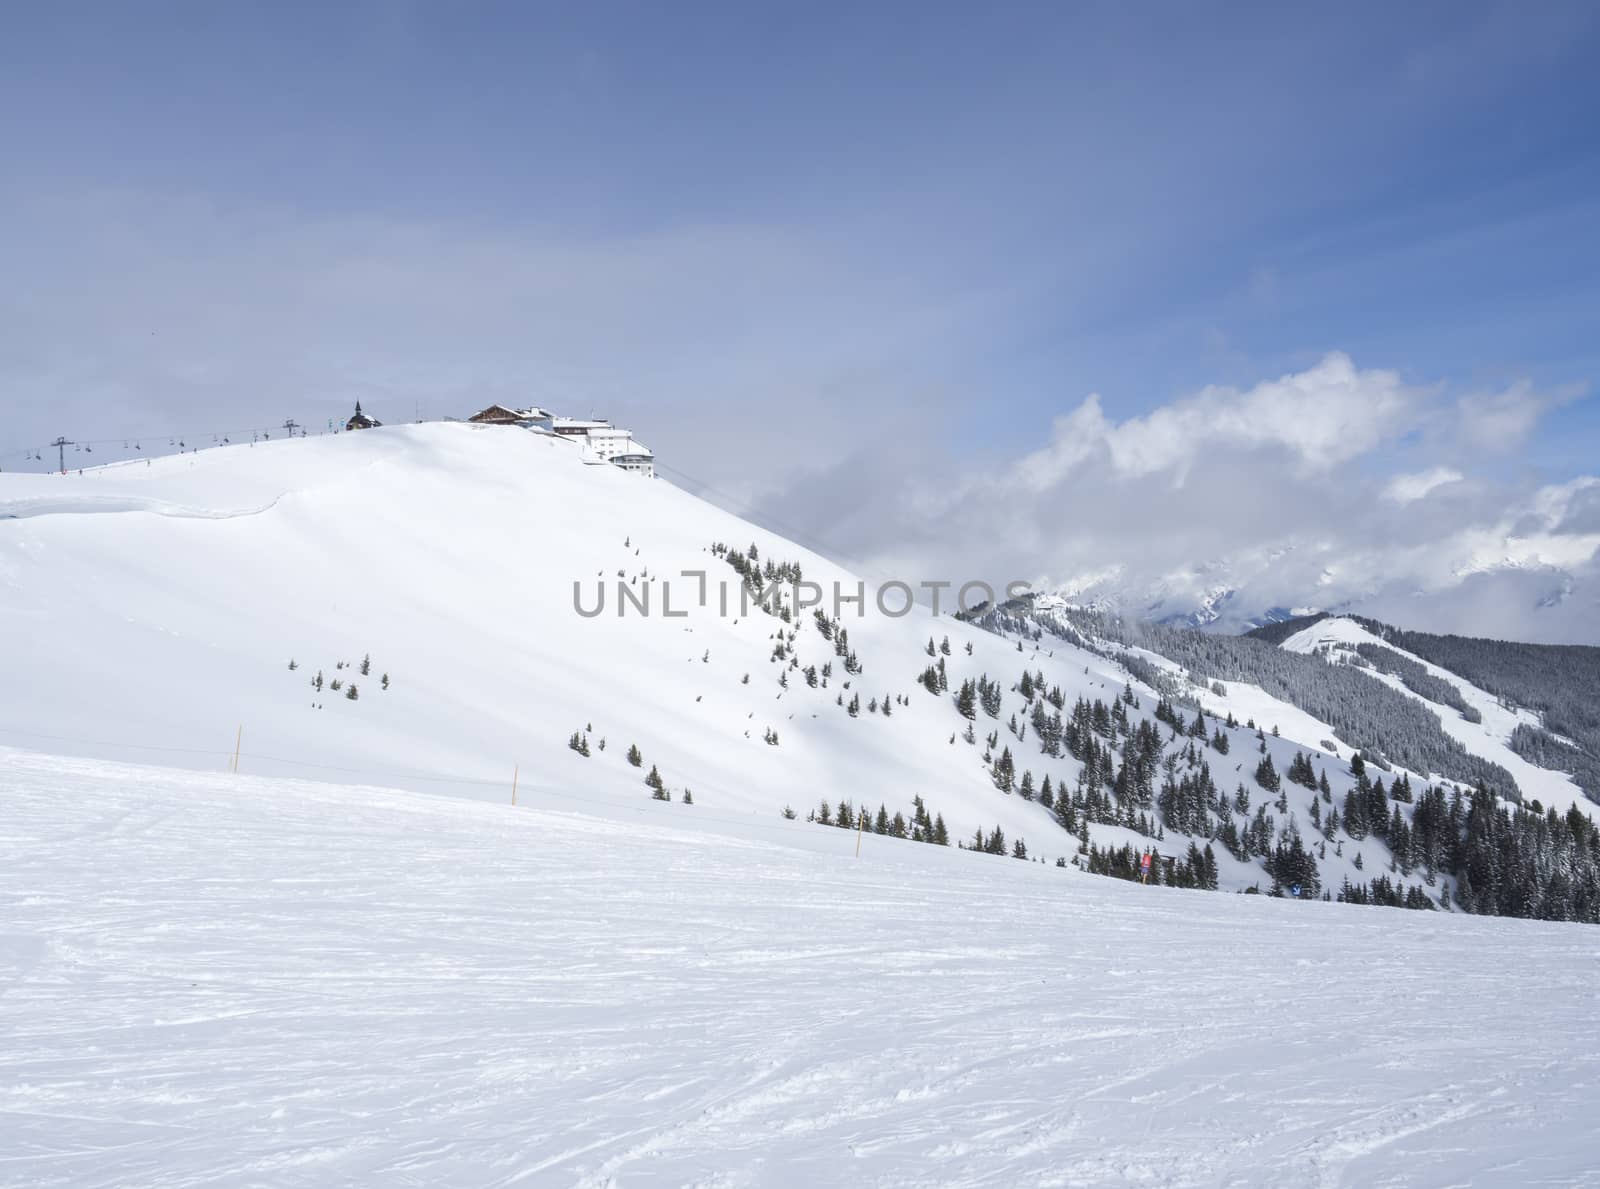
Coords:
pixel 604 442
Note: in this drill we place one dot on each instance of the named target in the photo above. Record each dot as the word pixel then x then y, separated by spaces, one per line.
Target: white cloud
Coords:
pixel 1407 489
pixel 1503 420
pixel 1307 488
pixel 1319 418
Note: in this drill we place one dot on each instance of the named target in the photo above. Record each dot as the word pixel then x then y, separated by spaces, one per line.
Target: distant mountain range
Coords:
pixel 1509 596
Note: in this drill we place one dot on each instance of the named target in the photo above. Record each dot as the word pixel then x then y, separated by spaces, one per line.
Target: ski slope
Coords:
pixel 1489 738
pixel 208 979
pixel 155 609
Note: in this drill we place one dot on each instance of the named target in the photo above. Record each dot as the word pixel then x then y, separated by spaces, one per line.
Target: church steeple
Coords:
pixel 361 421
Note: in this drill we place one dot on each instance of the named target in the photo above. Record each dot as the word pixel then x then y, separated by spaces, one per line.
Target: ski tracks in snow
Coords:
pixel 214 980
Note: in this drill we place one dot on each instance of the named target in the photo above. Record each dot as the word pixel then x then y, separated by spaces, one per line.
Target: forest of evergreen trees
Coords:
pixel 1416 678
pixel 1556 681
pixel 1363 713
pixel 1505 860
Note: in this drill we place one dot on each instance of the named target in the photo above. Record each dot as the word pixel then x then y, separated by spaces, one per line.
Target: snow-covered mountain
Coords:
pixel 414 606
pixel 1481 722
pixel 1545 592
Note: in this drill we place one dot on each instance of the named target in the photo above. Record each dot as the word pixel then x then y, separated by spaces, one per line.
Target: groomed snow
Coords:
pixel 218 980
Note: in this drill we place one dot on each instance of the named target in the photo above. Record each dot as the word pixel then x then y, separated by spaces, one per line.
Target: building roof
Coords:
pixel 496 413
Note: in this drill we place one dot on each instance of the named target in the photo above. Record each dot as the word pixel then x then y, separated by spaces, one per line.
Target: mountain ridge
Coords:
pixel 411 603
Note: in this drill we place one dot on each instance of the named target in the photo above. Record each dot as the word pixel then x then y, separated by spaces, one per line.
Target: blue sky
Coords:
pixel 1133 200
pixel 766 234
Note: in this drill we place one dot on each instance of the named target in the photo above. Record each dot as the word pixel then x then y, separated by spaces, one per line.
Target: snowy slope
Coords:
pixel 243 980
pixel 154 609
pixel 1337 637
pixel 158 607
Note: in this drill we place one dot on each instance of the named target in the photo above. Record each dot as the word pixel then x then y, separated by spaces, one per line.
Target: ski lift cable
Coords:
pixel 135 441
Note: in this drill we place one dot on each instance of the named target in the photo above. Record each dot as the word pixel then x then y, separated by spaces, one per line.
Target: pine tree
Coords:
pixel 655 782
pixel 366 665
pixel 350 692
pixel 1004 771
pixel 634 757
pixel 386 681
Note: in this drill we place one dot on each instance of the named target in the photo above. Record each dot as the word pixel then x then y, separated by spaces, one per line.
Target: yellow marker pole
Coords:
pixel 238 738
pixel 861 823
pixel 514 770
